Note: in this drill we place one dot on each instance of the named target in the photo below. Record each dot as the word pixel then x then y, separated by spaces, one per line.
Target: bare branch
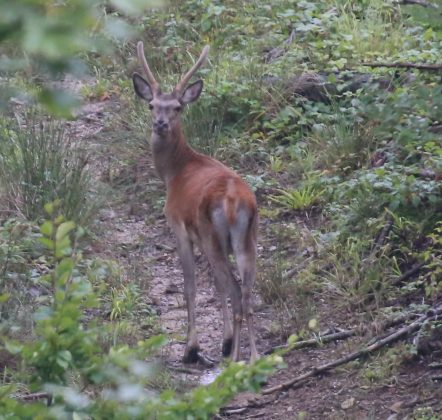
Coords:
pixel 344 334
pixel 410 273
pixel 406 65
pixel 422 3
pixel 316 370
pixel 341 335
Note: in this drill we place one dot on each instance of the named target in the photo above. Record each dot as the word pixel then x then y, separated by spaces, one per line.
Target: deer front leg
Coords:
pixel 185 252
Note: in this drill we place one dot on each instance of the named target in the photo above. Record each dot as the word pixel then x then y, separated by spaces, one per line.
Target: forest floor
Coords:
pixel 136 235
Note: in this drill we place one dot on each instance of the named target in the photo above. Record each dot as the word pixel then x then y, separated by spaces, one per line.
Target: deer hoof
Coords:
pixel 227 347
pixel 191 355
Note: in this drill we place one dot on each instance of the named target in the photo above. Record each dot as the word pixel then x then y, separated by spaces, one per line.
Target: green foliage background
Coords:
pixel 330 171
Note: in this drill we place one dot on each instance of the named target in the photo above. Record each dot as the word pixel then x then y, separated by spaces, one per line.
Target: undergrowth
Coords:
pixel 66 361
pixel 348 180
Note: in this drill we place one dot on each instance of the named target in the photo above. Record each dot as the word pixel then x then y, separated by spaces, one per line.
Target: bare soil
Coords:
pixel 136 235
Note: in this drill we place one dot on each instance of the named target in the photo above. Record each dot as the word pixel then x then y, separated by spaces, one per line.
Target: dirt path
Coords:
pixel 141 240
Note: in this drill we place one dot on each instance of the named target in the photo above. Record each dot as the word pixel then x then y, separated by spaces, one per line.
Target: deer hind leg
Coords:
pixel 244 247
pixel 185 252
pixel 222 290
pixel 217 247
pixel 227 284
pixel 246 267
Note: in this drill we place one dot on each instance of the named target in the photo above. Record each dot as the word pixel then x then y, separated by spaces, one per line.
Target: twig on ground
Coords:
pixel 410 273
pixel 35 396
pixel 435 365
pixel 422 3
pixel 278 52
pixel 341 335
pixel 256 415
pixel 378 243
pixel 406 65
pixel 316 370
pixel 186 370
pixel 292 271
pixel 344 334
pixel 383 234
pixel 230 410
pixel 236 410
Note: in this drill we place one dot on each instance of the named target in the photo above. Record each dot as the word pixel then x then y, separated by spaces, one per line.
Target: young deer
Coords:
pixel 207 204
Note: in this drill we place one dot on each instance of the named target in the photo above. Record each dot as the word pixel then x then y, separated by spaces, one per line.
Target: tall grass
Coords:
pixel 371 27
pixel 38 164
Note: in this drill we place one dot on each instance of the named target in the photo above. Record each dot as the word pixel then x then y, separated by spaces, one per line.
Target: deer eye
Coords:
pixel 178 108
pixel 150 107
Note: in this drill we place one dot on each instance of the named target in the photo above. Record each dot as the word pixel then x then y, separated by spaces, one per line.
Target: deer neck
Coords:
pixel 171 153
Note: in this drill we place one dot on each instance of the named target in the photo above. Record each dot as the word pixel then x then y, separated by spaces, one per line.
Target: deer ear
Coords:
pixel 142 87
pixel 192 92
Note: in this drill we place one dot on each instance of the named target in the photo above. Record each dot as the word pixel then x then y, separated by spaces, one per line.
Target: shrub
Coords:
pixel 66 361
pixel 39 163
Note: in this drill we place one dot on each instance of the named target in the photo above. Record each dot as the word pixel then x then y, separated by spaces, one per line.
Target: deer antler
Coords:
pixel 150 78
pixel 185 79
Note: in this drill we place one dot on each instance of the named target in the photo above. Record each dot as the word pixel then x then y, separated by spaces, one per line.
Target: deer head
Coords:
pixel 166 108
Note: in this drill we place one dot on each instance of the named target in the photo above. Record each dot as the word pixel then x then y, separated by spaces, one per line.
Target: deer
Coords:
pixel 208 205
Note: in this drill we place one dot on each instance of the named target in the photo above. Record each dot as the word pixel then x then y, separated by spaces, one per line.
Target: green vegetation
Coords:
pixel 65 359
pixel 40 163
pixel 345 159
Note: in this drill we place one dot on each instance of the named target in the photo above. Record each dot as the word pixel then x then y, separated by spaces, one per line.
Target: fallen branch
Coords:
pixel 316 370
pixel 410 273
pixel 231 410
pixel 290 273
pixel 435 365
pixel 382 237
pixel 341 335
pixel 278 52
pixel 422 3
pixel 406 65
pixel 35 396
pixel 378 243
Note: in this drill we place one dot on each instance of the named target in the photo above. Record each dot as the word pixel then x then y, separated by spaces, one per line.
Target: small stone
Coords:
pixel 348 403
pixel 397 406
pixel 171 288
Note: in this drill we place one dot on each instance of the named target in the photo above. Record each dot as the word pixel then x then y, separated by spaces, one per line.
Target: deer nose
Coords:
pixel 160 125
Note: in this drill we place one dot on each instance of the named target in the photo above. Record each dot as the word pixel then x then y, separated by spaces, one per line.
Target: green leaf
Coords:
pixel 63 230
pixel 13 347
pixel 49 208
pixel 43 313
pixel 4 297
pixel 58 102
pixel 64 357
pixel 65 266
pixel 47 228
pixel 48 243
pixel 134 7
